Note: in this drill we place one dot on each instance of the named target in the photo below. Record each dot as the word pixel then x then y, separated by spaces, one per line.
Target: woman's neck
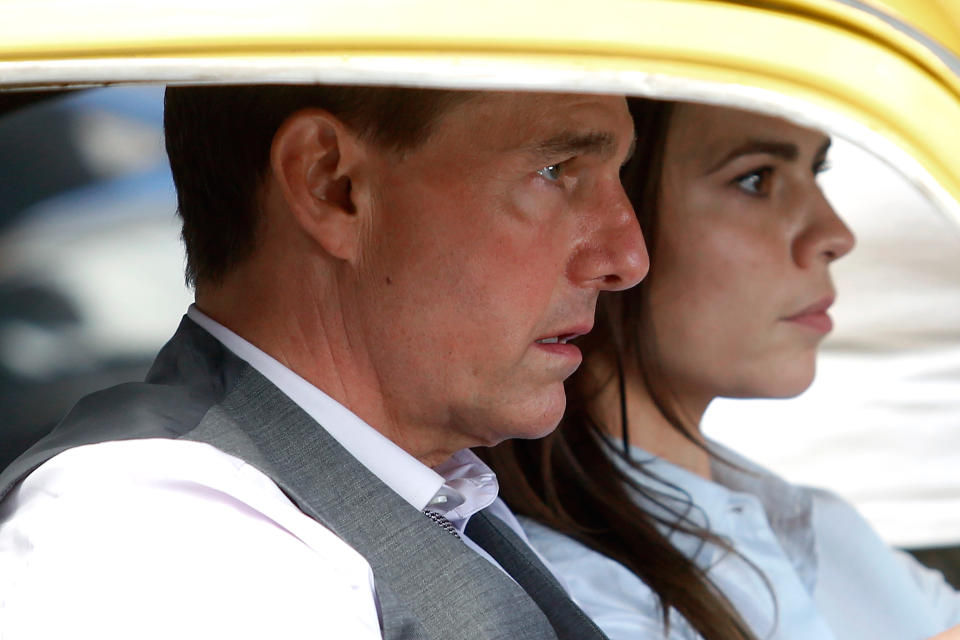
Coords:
pixel 649 429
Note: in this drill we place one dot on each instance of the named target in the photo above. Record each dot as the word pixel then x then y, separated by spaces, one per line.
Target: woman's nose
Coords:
pixel 826 236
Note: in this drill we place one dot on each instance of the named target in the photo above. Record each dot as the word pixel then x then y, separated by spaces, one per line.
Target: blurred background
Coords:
pixel 91 264
pixel 91 285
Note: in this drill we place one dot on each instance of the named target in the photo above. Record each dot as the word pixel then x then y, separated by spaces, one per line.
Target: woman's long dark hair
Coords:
pixel 570 482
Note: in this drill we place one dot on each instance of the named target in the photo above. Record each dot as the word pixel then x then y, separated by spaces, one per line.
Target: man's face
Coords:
pixel 489 242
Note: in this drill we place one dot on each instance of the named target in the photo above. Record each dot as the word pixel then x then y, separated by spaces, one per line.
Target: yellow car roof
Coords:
pixel 882 73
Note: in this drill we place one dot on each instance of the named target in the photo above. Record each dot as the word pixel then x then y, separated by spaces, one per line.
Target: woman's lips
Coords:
pixel 820 321
pixel 815 316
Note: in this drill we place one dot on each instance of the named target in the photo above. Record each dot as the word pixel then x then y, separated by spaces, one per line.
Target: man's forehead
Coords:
pixel 544 123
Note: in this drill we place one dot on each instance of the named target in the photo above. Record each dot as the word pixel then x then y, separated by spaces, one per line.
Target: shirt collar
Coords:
pixel 788 509
pixel 733 476
pixel 472 483
pixel 678 494
pixel 462 485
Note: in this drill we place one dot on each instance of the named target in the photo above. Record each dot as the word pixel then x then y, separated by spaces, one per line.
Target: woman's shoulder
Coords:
pixel 557 547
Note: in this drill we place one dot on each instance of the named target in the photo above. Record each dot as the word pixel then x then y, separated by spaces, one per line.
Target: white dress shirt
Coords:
pixel 175 539
pixel 832 577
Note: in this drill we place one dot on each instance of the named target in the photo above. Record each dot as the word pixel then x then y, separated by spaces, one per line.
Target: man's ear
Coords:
pixel 312 157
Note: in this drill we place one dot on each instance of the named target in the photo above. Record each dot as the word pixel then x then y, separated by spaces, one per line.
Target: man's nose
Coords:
pixel 826 237
pixel 613 256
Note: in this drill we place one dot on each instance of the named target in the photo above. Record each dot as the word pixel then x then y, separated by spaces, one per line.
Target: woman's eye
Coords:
pixel 755 183
pixel 551 172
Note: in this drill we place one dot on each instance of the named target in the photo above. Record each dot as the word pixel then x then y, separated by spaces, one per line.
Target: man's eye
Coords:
pixel 757 182
pixel 551 172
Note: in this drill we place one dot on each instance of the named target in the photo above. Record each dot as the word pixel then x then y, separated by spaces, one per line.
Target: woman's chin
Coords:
pixel 776 382
pixel 786 386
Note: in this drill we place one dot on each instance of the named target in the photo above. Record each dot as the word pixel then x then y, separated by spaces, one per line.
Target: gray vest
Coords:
pixel 198 390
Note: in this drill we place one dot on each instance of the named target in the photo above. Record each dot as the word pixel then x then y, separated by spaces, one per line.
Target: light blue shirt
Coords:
pixel 832 576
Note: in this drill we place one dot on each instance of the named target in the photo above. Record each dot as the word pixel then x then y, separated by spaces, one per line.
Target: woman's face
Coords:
pixel 740 284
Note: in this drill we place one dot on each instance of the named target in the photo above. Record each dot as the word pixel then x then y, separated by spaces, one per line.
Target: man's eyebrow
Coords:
pixel 594 143
pixel 785 150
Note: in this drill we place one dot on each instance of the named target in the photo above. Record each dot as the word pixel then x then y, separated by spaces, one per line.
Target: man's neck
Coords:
pixel 308 346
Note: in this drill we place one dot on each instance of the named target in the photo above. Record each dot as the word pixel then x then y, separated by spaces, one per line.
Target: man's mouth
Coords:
pixel 560 348
pixel 569 332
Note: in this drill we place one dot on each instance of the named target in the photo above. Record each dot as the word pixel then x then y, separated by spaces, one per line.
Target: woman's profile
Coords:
pixel 654 529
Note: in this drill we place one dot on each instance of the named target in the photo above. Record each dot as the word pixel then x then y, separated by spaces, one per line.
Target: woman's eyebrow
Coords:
pixel 785 150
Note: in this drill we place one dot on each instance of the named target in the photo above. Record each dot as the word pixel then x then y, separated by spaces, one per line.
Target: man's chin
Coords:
pixel 543 421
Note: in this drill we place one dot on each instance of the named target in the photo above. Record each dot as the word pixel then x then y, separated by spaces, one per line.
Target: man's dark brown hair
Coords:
pixel 218 140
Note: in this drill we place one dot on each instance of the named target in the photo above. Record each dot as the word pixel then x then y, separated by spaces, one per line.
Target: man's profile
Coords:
pixel 384 278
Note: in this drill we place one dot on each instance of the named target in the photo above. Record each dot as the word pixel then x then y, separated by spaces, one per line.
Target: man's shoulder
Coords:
pixel 95 477
pixel 160 488
pixel 103 475
pixel 171 523
pixel 125 412
pixel 190 375
pixel 139 409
